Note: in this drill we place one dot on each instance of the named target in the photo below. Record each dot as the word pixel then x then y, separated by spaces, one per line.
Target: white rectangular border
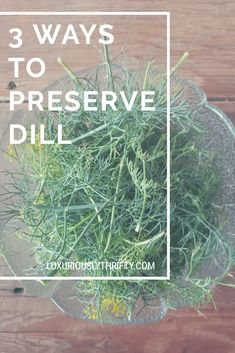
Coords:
pixel 121 13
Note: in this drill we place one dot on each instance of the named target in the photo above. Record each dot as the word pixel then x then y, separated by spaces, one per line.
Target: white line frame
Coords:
pixel 118 13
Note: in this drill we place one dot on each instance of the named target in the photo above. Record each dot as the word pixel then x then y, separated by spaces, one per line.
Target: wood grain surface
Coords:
pixel 206 30
pixel 30 324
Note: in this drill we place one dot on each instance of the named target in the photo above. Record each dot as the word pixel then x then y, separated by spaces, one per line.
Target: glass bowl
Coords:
pixel 220 138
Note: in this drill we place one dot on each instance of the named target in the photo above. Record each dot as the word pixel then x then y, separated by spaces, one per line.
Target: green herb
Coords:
pixel 103 198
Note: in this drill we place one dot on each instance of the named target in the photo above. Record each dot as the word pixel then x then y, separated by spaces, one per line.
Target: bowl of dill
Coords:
pixel 103 199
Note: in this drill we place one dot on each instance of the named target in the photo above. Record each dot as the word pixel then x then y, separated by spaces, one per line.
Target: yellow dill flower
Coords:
pixel 115 306
pixel 109 305
pixel 91 312
pixel 40 199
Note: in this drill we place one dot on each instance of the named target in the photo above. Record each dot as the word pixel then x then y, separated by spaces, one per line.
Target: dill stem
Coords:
pixel 69 72
pixel 93 202
pixel 180 62
pixel 137 229
pixel 147 241
pixel 64 237
pixel 115 199
pixel 43 181
pixel 83 220
pixel 90 133
pixel 108 67
pixel 146 74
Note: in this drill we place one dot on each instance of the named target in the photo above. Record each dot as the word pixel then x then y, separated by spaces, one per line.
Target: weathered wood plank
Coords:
pixel 205 29
pixel 36 325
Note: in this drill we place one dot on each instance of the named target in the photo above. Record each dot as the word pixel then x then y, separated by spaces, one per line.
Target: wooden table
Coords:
pixel 206 30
